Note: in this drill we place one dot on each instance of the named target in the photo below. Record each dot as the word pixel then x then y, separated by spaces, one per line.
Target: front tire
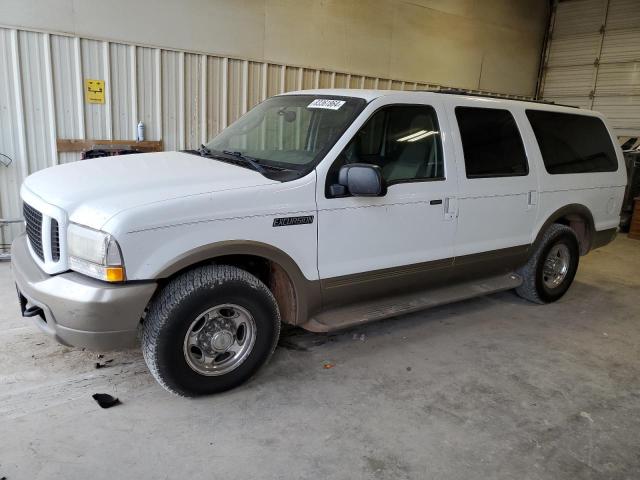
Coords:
pixel 551 269
pixel 209 330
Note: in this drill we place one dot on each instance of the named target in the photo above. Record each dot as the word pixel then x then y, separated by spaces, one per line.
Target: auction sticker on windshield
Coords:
pixel 326 103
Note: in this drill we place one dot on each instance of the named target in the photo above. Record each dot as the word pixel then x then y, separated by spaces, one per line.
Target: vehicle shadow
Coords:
pixel 469 313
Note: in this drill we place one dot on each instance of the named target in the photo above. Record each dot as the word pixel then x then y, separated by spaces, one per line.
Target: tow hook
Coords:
pixel 33 312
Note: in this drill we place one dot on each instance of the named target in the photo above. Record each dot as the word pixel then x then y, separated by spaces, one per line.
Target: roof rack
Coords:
pixel 476 93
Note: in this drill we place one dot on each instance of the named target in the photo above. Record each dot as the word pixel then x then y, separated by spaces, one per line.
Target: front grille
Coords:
pixel 55 241
pixel 33 219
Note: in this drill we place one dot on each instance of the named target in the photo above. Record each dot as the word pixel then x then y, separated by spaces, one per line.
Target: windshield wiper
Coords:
pixel 247 160
pixel 204 151
pixel 223 155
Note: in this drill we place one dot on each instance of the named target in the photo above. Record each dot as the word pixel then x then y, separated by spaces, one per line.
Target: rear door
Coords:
pixel 580 164
pixel 498 197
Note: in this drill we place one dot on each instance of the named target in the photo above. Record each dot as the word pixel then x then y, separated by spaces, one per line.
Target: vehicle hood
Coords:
pixel 93 191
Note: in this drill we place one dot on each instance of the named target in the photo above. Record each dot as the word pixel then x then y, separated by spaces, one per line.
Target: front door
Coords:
pixel 402 241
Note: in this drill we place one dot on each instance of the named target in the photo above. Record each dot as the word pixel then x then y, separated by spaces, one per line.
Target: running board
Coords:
pixel 358 314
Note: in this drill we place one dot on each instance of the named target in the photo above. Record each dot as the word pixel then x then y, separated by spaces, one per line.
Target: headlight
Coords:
pixel 94 253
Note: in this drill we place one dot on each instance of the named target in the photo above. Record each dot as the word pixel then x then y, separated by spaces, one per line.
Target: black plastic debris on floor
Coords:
pixel 105 400
pixel 105 364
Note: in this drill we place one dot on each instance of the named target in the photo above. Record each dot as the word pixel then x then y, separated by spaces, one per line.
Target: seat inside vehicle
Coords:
pixel 403 141
pixel 415 159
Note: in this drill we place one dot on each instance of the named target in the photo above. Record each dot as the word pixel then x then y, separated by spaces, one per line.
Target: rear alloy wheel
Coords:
pixel 551 268
pixel 556 266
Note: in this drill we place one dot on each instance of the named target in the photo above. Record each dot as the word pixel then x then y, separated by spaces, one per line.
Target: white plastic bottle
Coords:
pixel 140 132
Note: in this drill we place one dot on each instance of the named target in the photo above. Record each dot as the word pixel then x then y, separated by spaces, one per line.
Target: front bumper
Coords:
pixel 77 310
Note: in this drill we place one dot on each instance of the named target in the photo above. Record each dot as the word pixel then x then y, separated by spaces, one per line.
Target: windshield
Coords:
pixel 289 131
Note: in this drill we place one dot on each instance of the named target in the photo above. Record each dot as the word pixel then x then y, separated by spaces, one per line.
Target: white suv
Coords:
pixel 323 209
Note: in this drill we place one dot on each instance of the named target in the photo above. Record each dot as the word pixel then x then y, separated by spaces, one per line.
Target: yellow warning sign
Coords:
pixel 94 91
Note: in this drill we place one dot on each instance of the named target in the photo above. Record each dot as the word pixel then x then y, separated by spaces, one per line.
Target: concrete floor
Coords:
pixel 489 388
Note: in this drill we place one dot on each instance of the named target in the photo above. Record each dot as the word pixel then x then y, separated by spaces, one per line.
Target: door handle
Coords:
pixel 450 208
pixel 436 202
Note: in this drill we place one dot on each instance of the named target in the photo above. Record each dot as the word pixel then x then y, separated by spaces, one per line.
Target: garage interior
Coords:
pixel 493 387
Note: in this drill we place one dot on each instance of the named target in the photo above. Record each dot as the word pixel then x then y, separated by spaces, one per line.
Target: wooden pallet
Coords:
pixel 80 145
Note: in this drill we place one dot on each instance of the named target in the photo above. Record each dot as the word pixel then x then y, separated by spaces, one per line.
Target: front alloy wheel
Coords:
pixel 220 339
pixel 209 330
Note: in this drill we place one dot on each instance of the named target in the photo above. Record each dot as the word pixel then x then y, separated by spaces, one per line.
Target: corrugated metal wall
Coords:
pixel 593 59
pixel 183 98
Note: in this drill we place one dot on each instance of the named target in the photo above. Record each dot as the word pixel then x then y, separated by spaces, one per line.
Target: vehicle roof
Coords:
pixel 370 95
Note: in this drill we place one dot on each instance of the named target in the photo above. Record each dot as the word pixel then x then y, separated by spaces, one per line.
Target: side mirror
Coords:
pixel 362 180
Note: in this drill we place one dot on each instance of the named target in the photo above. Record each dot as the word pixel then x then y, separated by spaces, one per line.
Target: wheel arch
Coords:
pixel 576 216
pixel 297 296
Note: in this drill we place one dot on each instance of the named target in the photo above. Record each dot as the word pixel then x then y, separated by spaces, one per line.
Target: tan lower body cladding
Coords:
pixel 354 299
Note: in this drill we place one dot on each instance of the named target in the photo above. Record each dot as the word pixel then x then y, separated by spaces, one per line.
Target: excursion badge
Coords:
pixel 291 221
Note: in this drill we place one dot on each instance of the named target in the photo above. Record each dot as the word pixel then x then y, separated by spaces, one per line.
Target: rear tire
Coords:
pixel 551 269
pixel 209 330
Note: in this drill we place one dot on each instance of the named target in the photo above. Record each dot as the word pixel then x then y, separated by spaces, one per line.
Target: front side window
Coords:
pixel 491 143
pixel 403 140
pixel 573 143
pixel 289 131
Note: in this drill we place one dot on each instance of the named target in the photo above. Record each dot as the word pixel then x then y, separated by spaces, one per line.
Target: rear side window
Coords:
pixel 491 143
pixel 573 143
